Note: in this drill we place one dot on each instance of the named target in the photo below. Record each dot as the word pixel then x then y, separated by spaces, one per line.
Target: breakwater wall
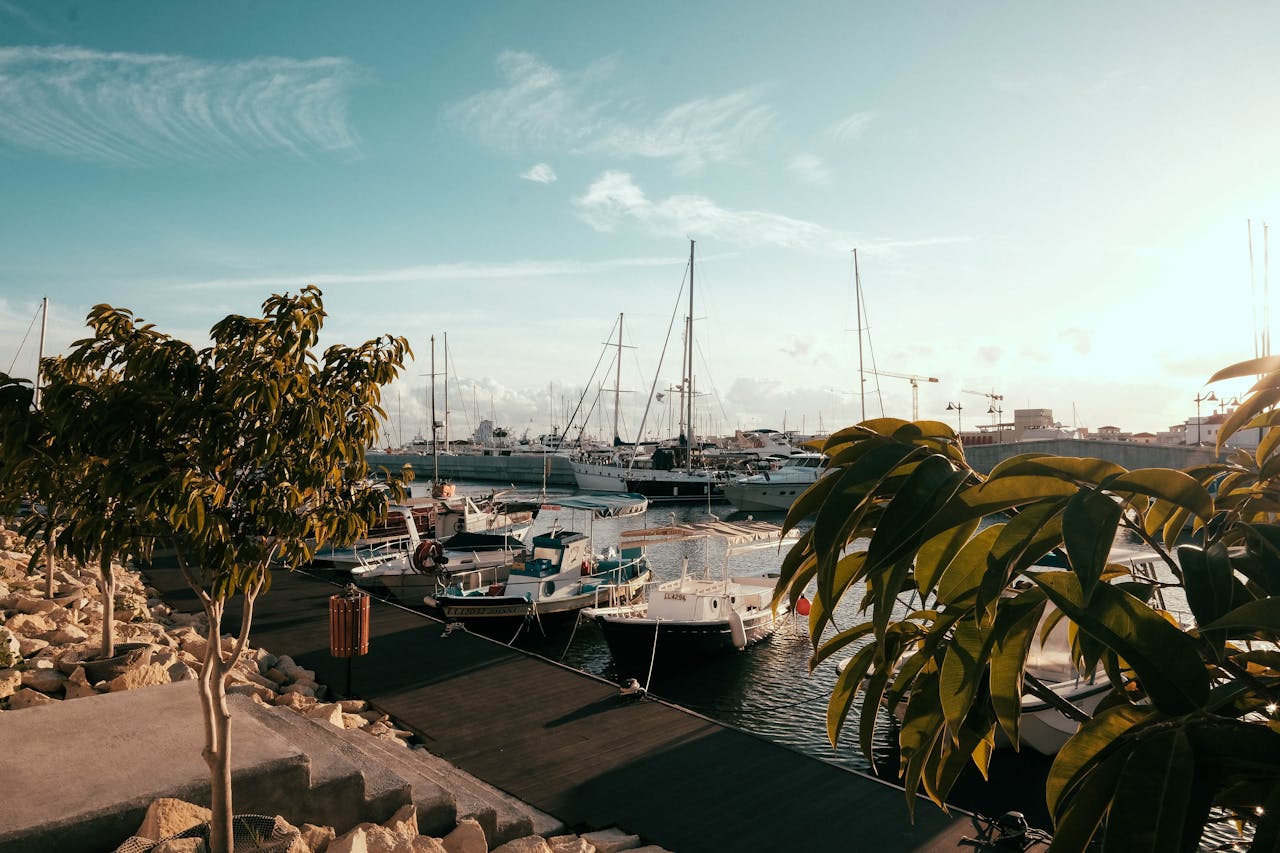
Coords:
pixel 523 469
pixel 1130 454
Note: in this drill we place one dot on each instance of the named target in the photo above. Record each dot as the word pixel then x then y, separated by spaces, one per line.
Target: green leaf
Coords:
pixel 1251 406
pixel 1252 367
pixel 1086 748
pixel 1262 614
pixel 1208 578
pixel 1089 530
pixel 1078 470
pixel 936 555
pixel 845 689
pixel 1082 813
pixel 1165 484
pixel 1152 793
pixel 1014 629
pixel 966 570
pixel 962 670
pixel 1166 661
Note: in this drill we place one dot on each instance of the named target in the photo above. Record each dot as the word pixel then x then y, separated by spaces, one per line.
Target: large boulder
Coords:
pixel 467 837
pixel 45 680
pixel 528 844
pixel 28 698
pixel 146 675
pixel 329 713
pixel 611 840
pixel 10 682
pixel 78 686
pixel 168 816
pixel 30 624
pixel 10 648
pixel 570 844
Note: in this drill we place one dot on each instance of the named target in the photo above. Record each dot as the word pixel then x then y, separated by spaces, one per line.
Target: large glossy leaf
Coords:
pixel 1165 484
pixel 962 670
pixel 966 570
pixel 998 495
pixel 936 555
pixel 821 609
pixel 1083 811
pixel 1152 793
pixel 1080 470
pixel 1086 748
pixel 1260 615
pixel 1014 630
pixel 1208 579
pixel 1166 661
pixel 846 687
pixel 922 726
pixel 1089 524
pixel 928 488
pixel 1252 367
pixel 1244 413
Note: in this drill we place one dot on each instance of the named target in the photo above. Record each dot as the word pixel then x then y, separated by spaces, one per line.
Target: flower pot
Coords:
pixel 127 656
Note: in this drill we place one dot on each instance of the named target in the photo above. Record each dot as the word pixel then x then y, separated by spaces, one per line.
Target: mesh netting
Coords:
pixel 251 833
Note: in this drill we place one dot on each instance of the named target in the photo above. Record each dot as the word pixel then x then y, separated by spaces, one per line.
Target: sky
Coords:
pixel 1049 202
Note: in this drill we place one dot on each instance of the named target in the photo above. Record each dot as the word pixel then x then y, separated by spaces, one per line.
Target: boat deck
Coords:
pixel 569 744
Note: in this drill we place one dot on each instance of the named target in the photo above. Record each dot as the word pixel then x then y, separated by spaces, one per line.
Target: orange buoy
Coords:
pixel 802 606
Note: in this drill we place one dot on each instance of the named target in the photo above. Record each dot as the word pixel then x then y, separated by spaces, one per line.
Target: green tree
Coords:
pixel 251 457
pixel 948 570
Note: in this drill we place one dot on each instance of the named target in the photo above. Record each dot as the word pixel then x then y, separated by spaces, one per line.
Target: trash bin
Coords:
pixel 349 623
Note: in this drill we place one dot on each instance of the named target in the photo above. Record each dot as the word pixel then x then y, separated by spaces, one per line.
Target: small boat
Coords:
pixel 690 619
pixel 463 561
pixel 559 576
pixel 775 491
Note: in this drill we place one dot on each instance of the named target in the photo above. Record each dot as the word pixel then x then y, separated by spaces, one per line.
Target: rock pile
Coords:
pixel 49 650
pixel 175 826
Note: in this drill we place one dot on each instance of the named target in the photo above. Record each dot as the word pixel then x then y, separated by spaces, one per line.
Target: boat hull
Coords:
pixel 635 641
pixel 657 486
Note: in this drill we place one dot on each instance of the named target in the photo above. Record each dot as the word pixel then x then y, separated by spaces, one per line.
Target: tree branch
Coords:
pixel 1041 691
pixel 205 601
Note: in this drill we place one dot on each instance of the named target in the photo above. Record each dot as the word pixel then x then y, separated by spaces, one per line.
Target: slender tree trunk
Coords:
pixel 217 720
pixel 107 586
pixel 48 563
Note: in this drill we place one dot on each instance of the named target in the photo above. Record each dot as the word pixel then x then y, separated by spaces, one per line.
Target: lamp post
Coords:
pixel 956 407
pixel 995 412
pixel 1202 398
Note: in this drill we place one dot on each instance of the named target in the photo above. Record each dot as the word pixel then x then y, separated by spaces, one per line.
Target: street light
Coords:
pixel 1202 399
pixel 956 407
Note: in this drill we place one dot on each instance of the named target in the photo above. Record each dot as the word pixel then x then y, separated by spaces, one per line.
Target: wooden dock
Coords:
pixel 569 744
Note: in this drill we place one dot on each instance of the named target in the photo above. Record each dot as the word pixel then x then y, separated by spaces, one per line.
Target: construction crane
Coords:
pixel 992 399
pixel 915 387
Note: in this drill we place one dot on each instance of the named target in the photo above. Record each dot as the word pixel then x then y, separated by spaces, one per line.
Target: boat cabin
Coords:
pixel 553 553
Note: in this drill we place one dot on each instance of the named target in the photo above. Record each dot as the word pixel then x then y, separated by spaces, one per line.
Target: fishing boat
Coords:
pixel 559 576
pixel 774 491
pixel 693 618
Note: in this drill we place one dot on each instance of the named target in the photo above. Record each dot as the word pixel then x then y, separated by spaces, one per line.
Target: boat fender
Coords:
pixel 737 631
pixel 586 567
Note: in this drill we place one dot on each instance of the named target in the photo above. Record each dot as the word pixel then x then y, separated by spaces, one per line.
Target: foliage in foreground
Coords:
pixel 948 567
pixel 239 456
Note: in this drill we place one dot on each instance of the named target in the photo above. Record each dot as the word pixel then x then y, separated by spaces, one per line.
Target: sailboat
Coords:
pixel 671 475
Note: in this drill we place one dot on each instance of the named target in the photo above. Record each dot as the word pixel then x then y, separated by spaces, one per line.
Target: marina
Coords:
pixel 568 743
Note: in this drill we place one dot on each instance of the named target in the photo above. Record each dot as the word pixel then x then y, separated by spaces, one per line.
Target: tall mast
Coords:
pixel 44 321
pixel 435 449
pixel 446 391
pixel 617 385
pixel 688 345
pixel 857 302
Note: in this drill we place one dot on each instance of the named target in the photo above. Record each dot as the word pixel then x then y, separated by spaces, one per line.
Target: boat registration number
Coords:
pixel 676 596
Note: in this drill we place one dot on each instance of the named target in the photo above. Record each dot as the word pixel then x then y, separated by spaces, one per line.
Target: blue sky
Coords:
pixel 1049 202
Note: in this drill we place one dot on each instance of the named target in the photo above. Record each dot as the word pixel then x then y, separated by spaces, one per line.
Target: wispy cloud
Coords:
pixel 541 173
pixel 538 106
pixel 809 168
pixel 141 109
pixel 615 198
pixel 427 272
pixel 12 10
pixel 851 127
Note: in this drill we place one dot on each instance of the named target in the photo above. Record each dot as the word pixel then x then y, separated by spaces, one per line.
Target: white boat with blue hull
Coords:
pixel 689 620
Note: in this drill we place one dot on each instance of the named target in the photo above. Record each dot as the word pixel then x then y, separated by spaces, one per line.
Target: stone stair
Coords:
pixel 442 793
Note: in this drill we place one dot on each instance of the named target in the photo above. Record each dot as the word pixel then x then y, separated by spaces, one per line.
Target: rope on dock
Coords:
pixel 653 655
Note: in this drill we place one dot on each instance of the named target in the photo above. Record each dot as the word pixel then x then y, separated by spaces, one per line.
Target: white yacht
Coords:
pixel 774 491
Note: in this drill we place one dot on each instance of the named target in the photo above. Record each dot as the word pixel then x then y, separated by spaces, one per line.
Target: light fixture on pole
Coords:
pixel 1202 399
pixel 956 407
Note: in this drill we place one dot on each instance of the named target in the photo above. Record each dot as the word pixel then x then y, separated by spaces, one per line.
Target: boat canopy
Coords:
pixel 602 505
pixel 738 535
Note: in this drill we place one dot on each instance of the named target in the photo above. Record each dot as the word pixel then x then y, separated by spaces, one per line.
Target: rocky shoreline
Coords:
pixel 47 654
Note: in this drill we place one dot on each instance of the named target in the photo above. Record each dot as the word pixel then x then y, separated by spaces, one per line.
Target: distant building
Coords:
pixel 1144 438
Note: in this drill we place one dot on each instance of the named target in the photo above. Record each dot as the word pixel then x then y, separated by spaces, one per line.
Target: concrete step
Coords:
pixel 346 788
pixel 503 817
